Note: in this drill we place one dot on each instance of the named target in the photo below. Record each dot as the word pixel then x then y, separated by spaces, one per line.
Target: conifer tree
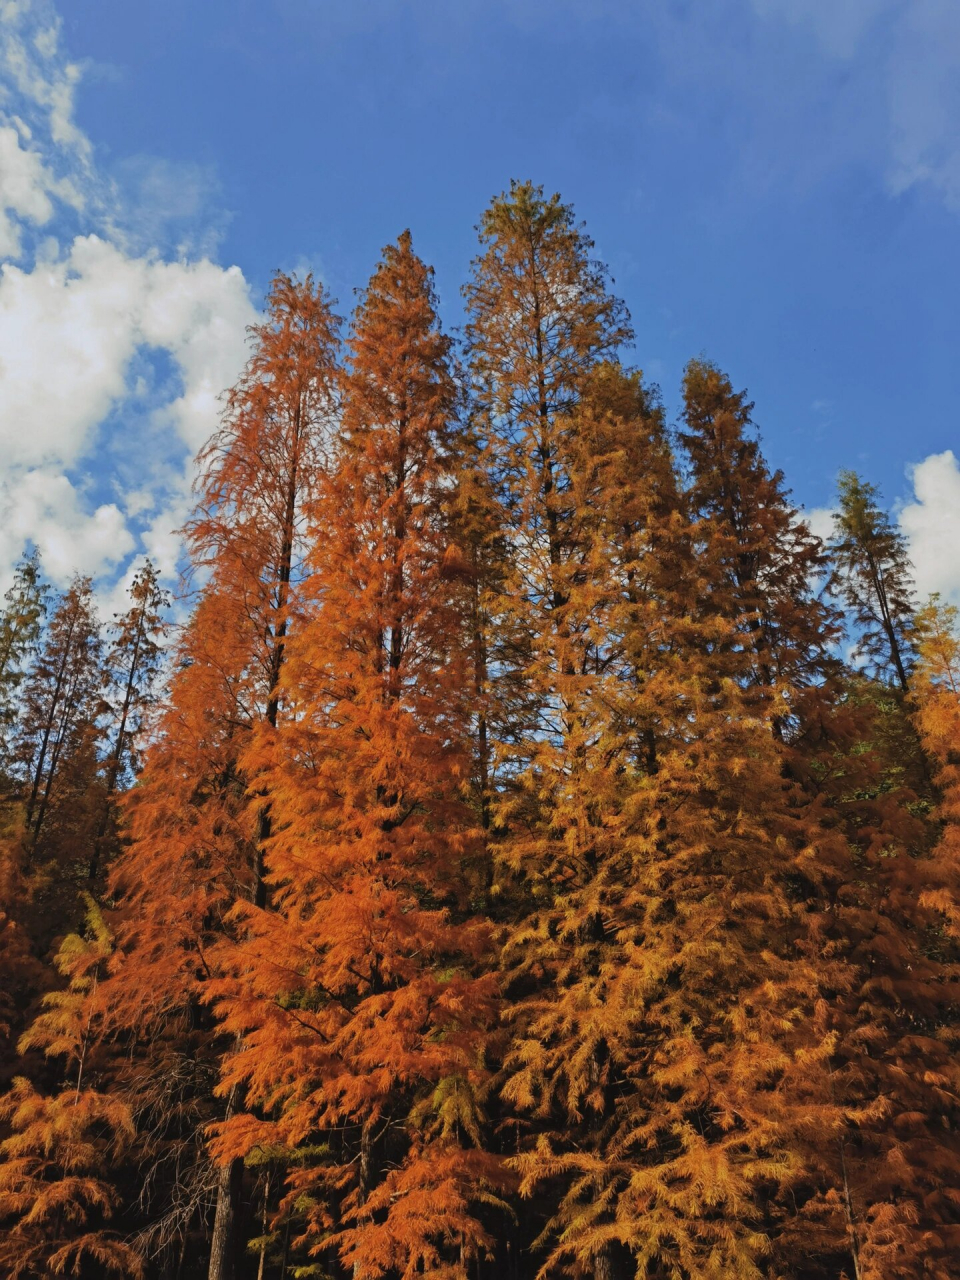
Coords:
pixel 132 669
pixel 55 1205
pixel 769 560
pixel 645 822
pixel 855 894
pixel 195 846
pixel 56 750
pixel 356 1000
pixel 874 578
pixel 682 1022
pixel 872 1199
pixel 20 624
pixel 901 1162
pixel 60 698
pixel 540 321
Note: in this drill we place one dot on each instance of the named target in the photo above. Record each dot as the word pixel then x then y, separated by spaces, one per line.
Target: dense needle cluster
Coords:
pixel 535 854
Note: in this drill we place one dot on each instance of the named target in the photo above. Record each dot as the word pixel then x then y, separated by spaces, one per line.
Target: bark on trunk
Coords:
pixel 606 1264
pixel 223 1246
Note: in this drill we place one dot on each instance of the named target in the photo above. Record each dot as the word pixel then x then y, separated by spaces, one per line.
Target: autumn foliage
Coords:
pixel 495 866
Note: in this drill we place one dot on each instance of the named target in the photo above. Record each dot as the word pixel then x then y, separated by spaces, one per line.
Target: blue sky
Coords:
pixel 774 183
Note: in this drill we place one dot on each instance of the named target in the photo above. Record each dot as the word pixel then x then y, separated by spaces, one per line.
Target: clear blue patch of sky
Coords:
pixel 731 168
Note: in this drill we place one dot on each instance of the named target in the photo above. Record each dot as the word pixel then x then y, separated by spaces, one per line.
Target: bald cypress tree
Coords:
pixel 194 845
pixel 664 996
pixel 359 998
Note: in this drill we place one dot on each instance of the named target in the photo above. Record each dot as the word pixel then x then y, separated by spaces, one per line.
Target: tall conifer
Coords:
pixel 770 564
pixel 195 845
pixel 132 669
pixel 874 578
pixel 57 753
pixel 361 1015
pixel 21 621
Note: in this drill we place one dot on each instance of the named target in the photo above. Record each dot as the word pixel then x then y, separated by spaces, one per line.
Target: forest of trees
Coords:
pixel 526 851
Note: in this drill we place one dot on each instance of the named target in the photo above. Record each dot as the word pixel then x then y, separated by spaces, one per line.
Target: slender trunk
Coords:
pixel 223 1244
pixel 483 745
pixel 51 773
pixel 366 1170
pixel 610 1263
pixel 261 1267
pixel 48 729
pixel 546 462
pixel 278 649
pixel 880 588
pixel 851 1221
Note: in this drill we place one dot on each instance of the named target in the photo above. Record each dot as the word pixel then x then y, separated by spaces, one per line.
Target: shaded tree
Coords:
pixel 874 579
pixel 132 667
pixel 21 623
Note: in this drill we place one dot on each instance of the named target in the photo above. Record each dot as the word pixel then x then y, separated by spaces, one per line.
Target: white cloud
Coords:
pixel 112 355
pixel 26 187
pixel 46 508
pixel 819 521
pixel 34 69
pixel 69 331
pixel 931 525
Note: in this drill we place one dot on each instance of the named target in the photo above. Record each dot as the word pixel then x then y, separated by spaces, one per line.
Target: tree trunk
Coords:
pixel 366 1169
pixel 607 1263
pixel 223 1245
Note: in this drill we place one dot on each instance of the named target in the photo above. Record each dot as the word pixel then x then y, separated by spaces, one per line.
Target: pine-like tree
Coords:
pixel 195 846
pixel 356 1001
pixel 663 993
pixel 875 579
pixel 56 752
pixel 55 1204
pixel 21 622
pixel 133 665
pixel 541 320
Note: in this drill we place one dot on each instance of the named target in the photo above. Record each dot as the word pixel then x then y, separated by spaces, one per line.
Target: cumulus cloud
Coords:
pixel 69 330
pixel 113 347
pixel 819 521
pixel 931 525
pixel 45 508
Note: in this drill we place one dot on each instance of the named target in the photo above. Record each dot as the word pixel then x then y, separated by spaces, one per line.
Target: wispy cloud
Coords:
pixel 905 54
